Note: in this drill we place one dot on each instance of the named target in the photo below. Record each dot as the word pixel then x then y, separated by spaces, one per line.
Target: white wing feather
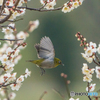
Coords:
pixel 45 49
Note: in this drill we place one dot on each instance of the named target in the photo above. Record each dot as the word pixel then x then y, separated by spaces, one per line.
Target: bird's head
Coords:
pixel 57 62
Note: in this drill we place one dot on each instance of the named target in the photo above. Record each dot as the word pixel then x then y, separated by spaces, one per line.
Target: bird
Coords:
pixel 46 54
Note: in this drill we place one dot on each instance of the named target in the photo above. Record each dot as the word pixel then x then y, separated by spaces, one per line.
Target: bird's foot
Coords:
pixel 42 71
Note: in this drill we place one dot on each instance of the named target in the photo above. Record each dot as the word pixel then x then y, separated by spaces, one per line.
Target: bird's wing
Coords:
pixel 45 49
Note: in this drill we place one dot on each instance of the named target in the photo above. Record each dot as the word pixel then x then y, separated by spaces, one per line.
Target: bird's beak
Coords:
pixel 29 60
pixel 62 64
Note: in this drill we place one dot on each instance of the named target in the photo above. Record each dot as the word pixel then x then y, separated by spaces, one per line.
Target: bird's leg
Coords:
pixel 42 71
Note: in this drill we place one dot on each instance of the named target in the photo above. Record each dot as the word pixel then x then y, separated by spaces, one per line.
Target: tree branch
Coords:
pixel 39 9
pixel 96 62
pixel 2 7
pixel 88 91
pixel 11 39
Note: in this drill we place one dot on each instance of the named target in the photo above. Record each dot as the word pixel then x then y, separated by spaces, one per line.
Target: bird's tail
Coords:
pixel 38 62
pixel 29 60
pixel 33 61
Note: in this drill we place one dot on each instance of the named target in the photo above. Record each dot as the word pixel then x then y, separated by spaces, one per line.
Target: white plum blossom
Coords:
pixel 7 76
pixel 73 99
pixel 75 4
pixel 42 2
pixel 7 30
pixel 6 11
pixel 87 78
pixel 49 5
pixel 9 50
pixel 70 5
pixel 10 36
pixel 5 99
pixel 12 95
pixel 14 15
pixel 85 69
pixel 3 49
pixel 17 59
pixel 15 86
pixel 12 25
pixel 12 77
pixel 87 72
pixel 4 59
pixel 98 76
pixel 2 92
pixel 88 59
pixel 1 1
pixel 92 70
pixel 33 25
pixel 93 45
pixel 21 35
pixel 89 51
pixel 9 67
pixel 91 87
pixel 16 52
pixel 97 70
pixel 66 9
pixel 98 49
pixel 10 3
pixel 20 79
pixel 22 12
pixel 20 3
pixel 80 2
pixel 27 73
pixel 1 79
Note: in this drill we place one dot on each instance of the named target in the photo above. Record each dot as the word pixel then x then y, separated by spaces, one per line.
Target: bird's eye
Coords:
pixel 59 62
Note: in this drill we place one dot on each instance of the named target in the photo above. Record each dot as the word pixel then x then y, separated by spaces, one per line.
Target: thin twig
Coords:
pixel 59 94
pixel 43 5
pixel 2 7
pixel 3 85
pixel 42 95
pixel 97 58
pixel 67 89
pixel 88 91
pixel 96 62
pixel 39 9
pixel 16 48
pixel 7 26
pixel 11 39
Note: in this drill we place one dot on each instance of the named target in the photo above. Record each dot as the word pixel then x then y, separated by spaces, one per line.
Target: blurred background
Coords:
pixel 61 28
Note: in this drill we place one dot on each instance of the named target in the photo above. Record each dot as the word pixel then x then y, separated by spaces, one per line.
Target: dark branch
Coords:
pixel 2 7
pixel 39 9
pixel 11 39
pixel 3 85
pixel 96 62
pixel 88 91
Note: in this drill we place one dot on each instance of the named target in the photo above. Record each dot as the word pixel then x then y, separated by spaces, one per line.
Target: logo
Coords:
pixel 72 94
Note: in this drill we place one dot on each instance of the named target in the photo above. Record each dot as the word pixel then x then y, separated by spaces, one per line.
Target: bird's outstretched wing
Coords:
pixel 45 49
